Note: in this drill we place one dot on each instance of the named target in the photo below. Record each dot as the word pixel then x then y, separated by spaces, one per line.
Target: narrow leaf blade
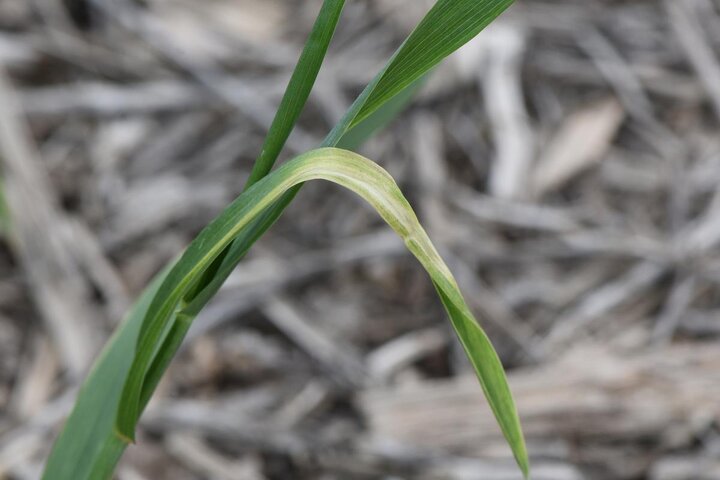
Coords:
pixel 87 447
pixel 377 187
pixel 449 25
pixel 298 90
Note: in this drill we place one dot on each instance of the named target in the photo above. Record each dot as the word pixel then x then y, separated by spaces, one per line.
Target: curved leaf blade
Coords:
pixel 375 186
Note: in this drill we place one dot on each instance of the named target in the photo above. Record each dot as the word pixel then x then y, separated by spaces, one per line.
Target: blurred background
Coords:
pixel 566 163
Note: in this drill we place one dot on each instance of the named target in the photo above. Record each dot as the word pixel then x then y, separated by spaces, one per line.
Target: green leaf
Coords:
pixel 448 26
pixel 298 90
pixel 87 448
pixel 361 132
pixel 375 186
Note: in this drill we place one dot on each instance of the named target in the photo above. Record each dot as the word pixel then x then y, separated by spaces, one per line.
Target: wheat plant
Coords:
pixel 124 377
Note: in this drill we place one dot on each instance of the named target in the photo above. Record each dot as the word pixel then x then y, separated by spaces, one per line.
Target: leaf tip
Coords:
pixel 521 457
pixel 525 467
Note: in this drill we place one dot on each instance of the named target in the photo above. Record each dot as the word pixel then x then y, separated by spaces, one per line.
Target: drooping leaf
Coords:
pixel 375 186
